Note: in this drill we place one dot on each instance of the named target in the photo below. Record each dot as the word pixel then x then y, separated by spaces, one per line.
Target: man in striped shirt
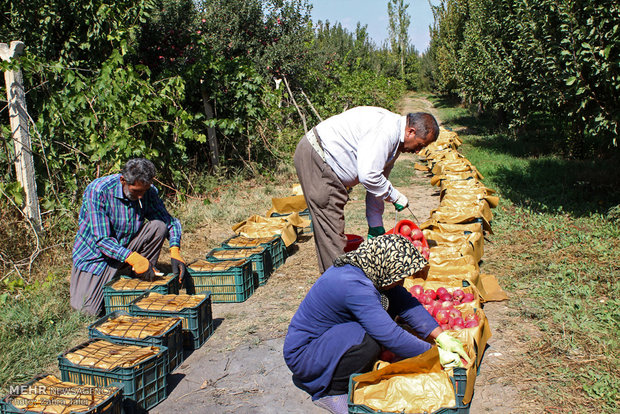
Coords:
pixel 122 225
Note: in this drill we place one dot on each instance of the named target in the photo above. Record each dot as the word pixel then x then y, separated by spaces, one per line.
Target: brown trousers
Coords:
pixel 86 288
pixel 326 197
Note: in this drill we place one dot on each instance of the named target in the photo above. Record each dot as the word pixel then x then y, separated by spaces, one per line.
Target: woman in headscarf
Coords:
pixel 348 315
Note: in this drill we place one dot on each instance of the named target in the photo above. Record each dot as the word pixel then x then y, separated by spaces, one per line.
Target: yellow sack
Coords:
pixel 455 240
pixel 413 385
pixel 257 226
pixel 287 205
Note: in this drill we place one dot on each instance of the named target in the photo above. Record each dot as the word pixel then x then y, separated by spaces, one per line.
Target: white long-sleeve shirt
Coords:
pixel 361 146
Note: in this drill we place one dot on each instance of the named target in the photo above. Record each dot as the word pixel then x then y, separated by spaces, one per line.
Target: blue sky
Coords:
pixel 374 14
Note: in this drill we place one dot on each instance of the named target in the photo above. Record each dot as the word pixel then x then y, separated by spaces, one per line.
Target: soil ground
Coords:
pixel 240 369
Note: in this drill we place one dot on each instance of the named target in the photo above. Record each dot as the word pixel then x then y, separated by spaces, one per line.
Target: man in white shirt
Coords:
pixel 357 146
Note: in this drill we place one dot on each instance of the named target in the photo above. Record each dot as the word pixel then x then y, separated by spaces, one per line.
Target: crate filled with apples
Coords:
pixel 445 305
pixel 409 230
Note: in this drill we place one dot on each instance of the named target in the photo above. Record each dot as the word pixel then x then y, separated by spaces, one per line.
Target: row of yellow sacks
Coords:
pixel 455 232
pixel 455 229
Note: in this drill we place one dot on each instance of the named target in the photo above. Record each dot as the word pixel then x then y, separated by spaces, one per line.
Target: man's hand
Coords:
pixel 141 266
pixel 179 269
pixel 401 203
pixel 448 343
pixel 375 231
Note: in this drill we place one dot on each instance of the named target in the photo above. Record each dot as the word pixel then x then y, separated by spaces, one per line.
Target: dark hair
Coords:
pixel 424 123
pixel 139 169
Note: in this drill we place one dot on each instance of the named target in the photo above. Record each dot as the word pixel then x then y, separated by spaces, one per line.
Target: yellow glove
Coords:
pixel 449 359
pixel 178 264
pixel 449 343
pixel 140 265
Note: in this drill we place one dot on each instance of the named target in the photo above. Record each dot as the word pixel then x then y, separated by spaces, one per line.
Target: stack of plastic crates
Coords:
pixel 144 382
pixel 120 291
pixel 260 257
pixel 275 244
pixel 194 311
pixel 120 327
pixel 46 393
pixel 227 281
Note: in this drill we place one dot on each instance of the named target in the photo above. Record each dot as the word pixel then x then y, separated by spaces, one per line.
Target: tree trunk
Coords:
pixel 211 137
pixel 18 114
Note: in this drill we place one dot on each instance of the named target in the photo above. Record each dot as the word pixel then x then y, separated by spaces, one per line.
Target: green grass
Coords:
pixel 35 327
pixel 559 237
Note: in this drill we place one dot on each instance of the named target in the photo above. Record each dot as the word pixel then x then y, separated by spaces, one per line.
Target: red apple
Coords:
pixel 455 313
pixel 447 305
pixel 416 290
pixel 416 234
pixel 458 294
pixel 387 355
pixel 445 326
pixel 426 252
pixel 446 297
pixel 405 230
pixel 425 299
pixel 457 323
pixel 472 323
pixel 443 316
pixel 431 293
pixel 467 297
pixel 441 291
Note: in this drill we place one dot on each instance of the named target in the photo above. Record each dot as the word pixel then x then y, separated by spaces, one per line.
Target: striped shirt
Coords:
pixel 108 221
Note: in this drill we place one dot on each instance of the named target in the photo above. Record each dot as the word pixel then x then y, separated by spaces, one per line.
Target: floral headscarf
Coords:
pixel 385 259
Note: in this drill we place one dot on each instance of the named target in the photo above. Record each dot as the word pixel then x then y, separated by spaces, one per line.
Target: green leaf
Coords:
pixel 571 80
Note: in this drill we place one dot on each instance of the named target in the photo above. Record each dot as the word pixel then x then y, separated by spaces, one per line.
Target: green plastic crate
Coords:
pixel 113 404
pixel 235 284
pixel 171 339
pixel 120 299
pixel 276 246
pixel 459 382
pixel 197 322
pixel 262 264
pixel 144 385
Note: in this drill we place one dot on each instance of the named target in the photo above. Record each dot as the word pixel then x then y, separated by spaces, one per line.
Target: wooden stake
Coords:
pixel 18 114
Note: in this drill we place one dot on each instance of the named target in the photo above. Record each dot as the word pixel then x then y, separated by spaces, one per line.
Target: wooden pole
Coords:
pixel 18 115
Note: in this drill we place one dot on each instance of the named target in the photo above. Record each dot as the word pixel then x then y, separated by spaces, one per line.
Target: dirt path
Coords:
pixel 240 369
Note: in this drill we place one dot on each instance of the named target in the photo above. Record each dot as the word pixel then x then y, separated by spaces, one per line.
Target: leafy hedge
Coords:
pixel 520 58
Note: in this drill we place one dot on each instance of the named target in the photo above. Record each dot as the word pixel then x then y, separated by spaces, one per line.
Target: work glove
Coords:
pixel 401 203
pixel 375 231
pixel 449 359
pixel 449 343
pixel 179 269
pixel 141 266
